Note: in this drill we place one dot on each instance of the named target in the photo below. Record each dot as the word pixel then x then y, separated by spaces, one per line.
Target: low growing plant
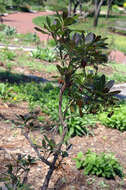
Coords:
pixel 115 120
pixel 44 54
pixel 17 174
pixel 6 92
pixel 9 30
pixel 79 126
pixel 10 55
pixel 101 165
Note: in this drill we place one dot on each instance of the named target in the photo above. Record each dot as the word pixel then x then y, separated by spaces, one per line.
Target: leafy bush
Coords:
pixel 117 120
pixel 79 126
pixel 44 54
pixel 8 54
pixel 5 92
pixel 115 8
pixel 101 165
pixel 2 27
pixel 25 7
pixel 9 30
pixel 17 174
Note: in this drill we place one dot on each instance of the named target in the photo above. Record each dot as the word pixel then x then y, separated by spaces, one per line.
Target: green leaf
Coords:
pixel 48 21
pixel 80 155
pixel 46 138
pixel 69 21
pixel 52 143
pixel 60 130
pixel 78 164
pixel 71 131
pixel 44 143
pixel 109 85
pixel 64 154
pixel 114 92
pixel 40 30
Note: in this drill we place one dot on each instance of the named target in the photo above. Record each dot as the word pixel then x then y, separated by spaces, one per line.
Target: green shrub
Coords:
pixel 5 92
pixel 101 165
pixel 9 30
pixel 2 27
pixel 44 54
pixel 8 54
pixel 115 8
pixel 18 172
pixel 25 7
pixel 117 120
pixel 79 126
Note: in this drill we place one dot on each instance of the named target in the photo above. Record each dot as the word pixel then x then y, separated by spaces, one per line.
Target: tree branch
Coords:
pixel 36 150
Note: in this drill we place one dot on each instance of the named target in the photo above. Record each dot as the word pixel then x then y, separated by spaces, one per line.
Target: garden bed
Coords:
pixel 13 142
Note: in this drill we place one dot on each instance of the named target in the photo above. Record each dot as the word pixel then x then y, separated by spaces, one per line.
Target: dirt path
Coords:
pixel 23 22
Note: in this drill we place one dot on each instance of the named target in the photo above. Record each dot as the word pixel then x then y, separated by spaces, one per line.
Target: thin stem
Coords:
pixel 67 106
pixel 36 150
pixel 58 150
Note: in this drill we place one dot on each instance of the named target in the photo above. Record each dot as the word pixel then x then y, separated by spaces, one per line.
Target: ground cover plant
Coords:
pixel 116 120
pixel 44 54
pixel 104 165
pixel 8 35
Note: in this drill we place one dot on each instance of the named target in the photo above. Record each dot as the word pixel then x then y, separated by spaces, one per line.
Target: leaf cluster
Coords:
pixel 17 173
pixel 116 120
pixel 77 51
pixel 10 31
pixel 44 54
pixel 101 165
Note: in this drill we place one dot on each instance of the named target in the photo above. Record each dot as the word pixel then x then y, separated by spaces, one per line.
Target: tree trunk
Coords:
pixel 80 7
pixel 69 7
pixel 97 11
pixel 1 19
pixel 75 7
pixel 57 152
pixel 109 7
